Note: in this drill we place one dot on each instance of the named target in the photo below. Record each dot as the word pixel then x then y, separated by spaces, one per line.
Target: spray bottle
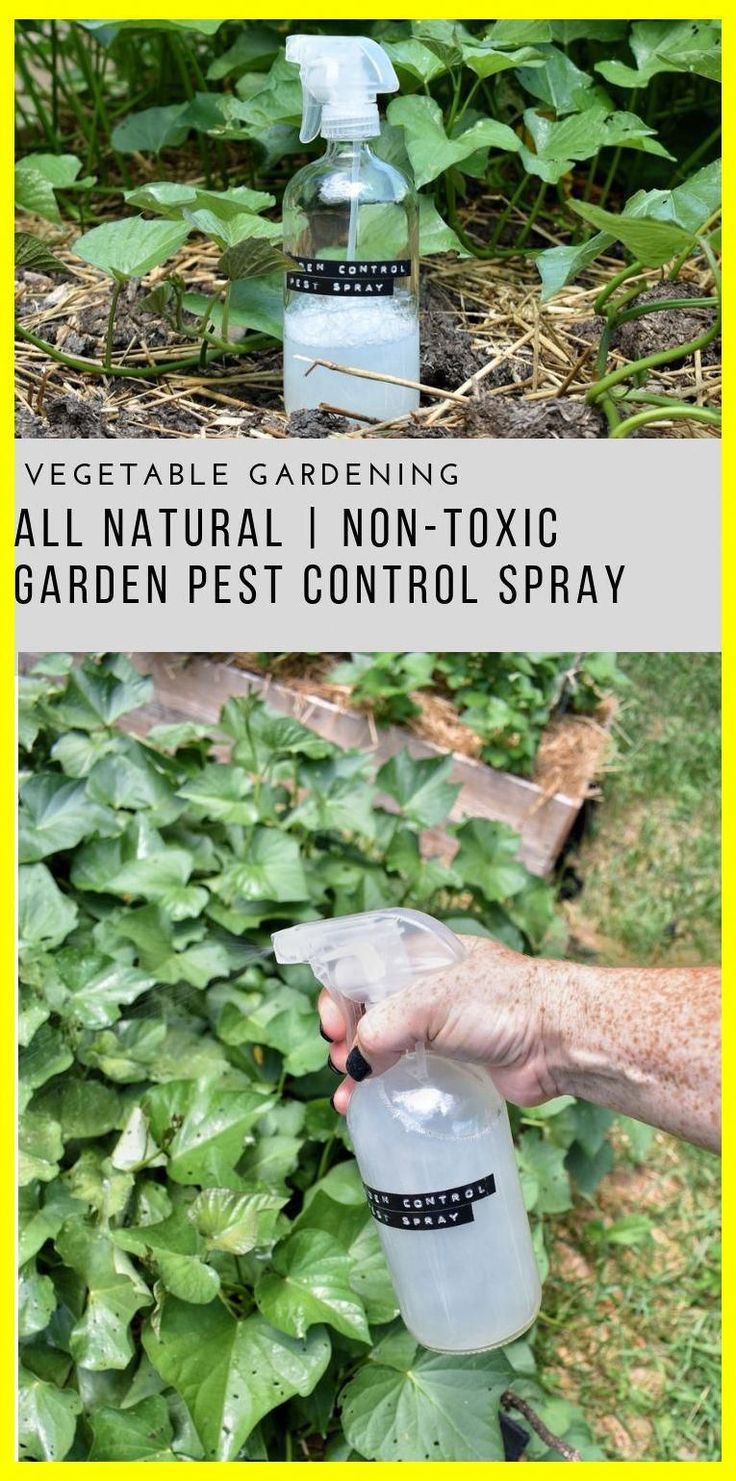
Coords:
pixel 350 230
pixel 433 1144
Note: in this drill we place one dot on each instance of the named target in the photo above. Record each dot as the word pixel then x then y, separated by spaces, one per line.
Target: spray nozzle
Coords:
pixel 341 78
pixel 366 957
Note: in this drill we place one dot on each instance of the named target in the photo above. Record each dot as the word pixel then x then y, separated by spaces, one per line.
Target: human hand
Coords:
pixel 496 1008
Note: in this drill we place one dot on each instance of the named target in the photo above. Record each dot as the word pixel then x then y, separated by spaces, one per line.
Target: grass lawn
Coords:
pixel 632 1332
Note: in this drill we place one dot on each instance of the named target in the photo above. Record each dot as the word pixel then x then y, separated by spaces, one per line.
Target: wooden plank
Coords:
pixel 195 688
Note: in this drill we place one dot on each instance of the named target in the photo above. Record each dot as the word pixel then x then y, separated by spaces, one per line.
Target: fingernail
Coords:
pixel 333 1067
pixel 357 1067
pixel 325 1036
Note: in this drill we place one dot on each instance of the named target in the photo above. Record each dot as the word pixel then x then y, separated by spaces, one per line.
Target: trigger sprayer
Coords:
pixel 432 1142
pixel 341 79
pixel 350 230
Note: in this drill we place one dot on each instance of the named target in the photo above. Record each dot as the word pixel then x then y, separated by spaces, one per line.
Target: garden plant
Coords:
pixel 586 148
pixel 200 1277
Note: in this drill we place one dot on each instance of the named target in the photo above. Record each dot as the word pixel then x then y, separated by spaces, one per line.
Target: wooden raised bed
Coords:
pixel 195 688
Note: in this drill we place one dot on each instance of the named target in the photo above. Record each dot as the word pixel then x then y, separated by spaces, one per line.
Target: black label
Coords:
pixel 446 1209
pixel 346 279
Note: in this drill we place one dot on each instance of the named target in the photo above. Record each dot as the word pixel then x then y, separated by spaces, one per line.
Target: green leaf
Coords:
pixel 39 176
pixel 222 793
pixel 409 1404
pixel 142 1432
pixel 45 915
pixel 235 1222
pixel 652 242
pixel 231 1373
pixel 434 233
pixel 172 199
pixel 558 266
pixel 83 1108
pixel 33 254
pixel 40 1147
pixel 416 59
pixel 176 1249
pixel 136 1147
pixel 592 1124
pixel 545 1163
pixel 667 46
pixel 558 82
pixel 47 1418
pixel 270 869
pixel 36 1301
pixel 56 814
pixel 520 33
pixel 588 1169
pixel 151 130
pixel 421 788
pixel 487 61
pixel 428 146
pixel 129 248
pixel 309 1282
pixel 101 1338
pixel 229 231
pixel 101 693
pixel 262 737
pixel 252 259
pixel 254 46
pixel 283 1019
pixel 140 866
pixel 202 1127
pixel 487 859
pixel 48 1055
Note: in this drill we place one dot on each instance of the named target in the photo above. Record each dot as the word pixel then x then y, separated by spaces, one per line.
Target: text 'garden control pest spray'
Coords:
pixel 433 1144
pixel 350 230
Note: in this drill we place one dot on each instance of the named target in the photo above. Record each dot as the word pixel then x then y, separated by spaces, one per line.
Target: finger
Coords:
pixel 341 1098
pixel 331 1018
pixel 389 1029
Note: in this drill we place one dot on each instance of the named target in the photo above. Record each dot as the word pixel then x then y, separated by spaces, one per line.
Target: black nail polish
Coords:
pixel 325 1036
pixel 332 1103
pixel 357 1067
pixel 333 1067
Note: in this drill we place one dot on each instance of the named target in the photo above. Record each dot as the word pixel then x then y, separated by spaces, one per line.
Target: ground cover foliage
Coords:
pixel 199 1274
pixel 588 138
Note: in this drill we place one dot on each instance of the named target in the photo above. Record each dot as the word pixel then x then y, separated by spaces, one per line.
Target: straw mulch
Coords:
pixel 521 368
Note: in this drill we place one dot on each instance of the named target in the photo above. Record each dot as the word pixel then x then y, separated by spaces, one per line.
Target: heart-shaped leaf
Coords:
pixel 422 788
pixel 309 1282
pixel 131 247
pixel 151 130
pixel 47 1418
pixel 231 1373
pixel 202 1127
pixel 430 149
pixel 409 1404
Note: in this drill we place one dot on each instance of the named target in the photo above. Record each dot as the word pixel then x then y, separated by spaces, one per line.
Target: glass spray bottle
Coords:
pixel 432 1142
pixel 350 230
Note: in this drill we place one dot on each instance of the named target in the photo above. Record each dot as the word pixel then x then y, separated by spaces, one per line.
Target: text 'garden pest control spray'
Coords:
pixel 433 1144
pixel 350 230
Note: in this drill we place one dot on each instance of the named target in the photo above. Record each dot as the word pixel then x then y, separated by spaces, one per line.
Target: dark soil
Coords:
pixel 667 327
pixel 502 416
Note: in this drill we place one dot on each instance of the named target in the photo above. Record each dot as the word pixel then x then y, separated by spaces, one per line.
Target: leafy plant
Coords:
pixel 599 135
pixel 507 699
pixel 200 1277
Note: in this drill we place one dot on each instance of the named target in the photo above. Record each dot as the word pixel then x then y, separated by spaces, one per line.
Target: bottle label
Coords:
pixel 346 279
pixel 446 1209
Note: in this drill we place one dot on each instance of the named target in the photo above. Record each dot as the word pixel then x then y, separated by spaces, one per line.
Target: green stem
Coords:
pixel 225 320
pixel 610 177
pixel 615 282
pixel 470 95
pixel 680 261
pixel 591 176
pixel 35 97
pixel 653 362
pixel 662 414
pixel 180 55
pixel 324 1160
pixel 117 290
pixel 533 214
pixel 145 372
pixel 663 305
pixel 505 214
pixel 685 168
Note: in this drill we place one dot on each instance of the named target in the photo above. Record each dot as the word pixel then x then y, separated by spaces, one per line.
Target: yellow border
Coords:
pixel 128 11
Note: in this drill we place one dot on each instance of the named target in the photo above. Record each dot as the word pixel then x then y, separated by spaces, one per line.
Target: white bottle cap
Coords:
pixel 341 79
